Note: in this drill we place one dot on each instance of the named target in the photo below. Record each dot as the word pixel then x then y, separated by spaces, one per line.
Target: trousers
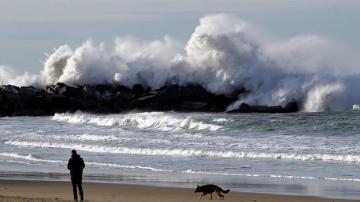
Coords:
pixel 76 182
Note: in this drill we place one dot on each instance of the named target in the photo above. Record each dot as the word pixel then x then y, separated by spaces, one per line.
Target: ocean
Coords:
pixel 314 154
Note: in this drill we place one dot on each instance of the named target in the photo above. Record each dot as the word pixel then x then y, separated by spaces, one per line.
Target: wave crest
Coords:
pixel 145 120
pixel 29 157
pixel 189 152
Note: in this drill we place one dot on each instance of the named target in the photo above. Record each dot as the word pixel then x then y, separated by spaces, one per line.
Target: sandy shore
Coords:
pixel 37 191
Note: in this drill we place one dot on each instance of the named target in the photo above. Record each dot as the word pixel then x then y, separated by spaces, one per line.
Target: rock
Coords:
pixel 90 91
pixel 70 91
pixel 245 108
pixel 173 97
pixel 61 103
pixel 195 93
pixel 147 98
pixel 268 109
pixel 63 89
pixel 193 106
pixel 54 89
pixel 219 103
pixel 11 98
pixel 291 107
pixel 5 107
pixel 29 91
pixel 98 91
pixel 138 89
pixel 110 98
pixel 169 95
pixel 9 89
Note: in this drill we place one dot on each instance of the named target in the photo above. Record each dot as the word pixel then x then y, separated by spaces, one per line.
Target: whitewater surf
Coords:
pixel 242 151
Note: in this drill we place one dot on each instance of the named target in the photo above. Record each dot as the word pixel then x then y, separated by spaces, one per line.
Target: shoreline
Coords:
pixel 48 191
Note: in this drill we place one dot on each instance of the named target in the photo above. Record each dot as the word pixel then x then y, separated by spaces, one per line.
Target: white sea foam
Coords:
pixel 189 123
pixel 221 120
pixel 28 157
pixel 188 152
pixel 342 179
pixel 97 137
pixel 271 176
pixel 151 120
pixel 249 175
pixel 112 138
pixel 127 166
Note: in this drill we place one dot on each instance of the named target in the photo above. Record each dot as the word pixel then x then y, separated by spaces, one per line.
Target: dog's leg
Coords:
pixel 221 197
pixel 201 195
pixel 210 196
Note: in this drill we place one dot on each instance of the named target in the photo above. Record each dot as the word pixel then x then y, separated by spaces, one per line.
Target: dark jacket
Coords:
pixel 76 165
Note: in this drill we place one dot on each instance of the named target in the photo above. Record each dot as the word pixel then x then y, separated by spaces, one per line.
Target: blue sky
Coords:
pixel 28 29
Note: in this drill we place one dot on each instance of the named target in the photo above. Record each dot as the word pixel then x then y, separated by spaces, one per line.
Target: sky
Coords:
pixel 30 29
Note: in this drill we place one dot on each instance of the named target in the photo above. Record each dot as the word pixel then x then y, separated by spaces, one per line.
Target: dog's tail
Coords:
pixel 225 191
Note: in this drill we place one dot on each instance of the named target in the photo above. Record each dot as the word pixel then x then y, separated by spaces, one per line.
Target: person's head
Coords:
pixel 73 152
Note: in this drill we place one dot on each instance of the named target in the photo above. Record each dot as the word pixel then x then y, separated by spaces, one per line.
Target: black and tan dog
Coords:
pixel 210 189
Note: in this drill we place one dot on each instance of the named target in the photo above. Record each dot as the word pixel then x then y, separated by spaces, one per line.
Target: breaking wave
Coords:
pixel 145 120
pixel 188 152
pixel 223 54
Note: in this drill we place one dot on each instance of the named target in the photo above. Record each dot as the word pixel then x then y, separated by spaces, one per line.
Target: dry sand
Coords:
pixel 37 191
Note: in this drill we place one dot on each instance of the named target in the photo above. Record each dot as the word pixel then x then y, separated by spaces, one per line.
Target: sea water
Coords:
pixel 303 153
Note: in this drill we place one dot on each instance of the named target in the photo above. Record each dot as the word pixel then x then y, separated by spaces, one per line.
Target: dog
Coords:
pixel 210 189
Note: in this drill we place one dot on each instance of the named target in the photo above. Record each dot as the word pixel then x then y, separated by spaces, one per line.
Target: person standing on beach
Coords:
pixel 76 165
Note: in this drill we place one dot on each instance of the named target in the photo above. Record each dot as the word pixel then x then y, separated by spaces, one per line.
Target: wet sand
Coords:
pixel 39 191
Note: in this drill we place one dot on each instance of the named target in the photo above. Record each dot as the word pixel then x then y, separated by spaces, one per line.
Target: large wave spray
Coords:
pixel 224 55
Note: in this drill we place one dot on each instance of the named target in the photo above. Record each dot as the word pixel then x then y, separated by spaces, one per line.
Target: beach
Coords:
pixel 48 191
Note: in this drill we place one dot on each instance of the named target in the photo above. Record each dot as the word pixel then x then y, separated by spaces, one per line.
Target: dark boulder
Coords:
pixel 219 103
pixel 70 91
pixel 54 89
pixel 138 89
pixel 291 107
pixel 90 91
pixel 193 106
pixel 245 108
pixel 9 89
pixel 195 93
pixel 61 103
pixel 169 95
pixel 63 89
pixel 29 91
